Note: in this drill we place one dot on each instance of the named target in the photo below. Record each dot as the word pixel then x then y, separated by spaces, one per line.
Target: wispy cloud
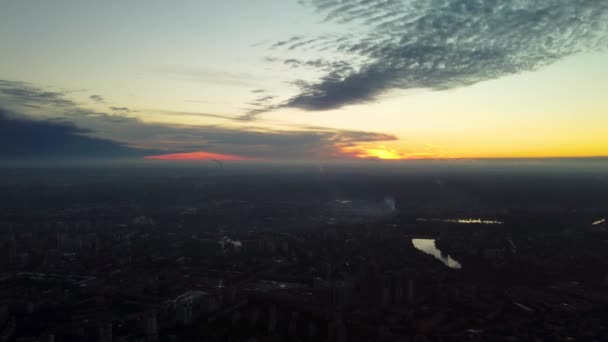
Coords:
pixel 213 76
pixel 30 96
pixel 257 106
pixel 196 101
pixel 287 42
pixel 438 44
pixel 199 114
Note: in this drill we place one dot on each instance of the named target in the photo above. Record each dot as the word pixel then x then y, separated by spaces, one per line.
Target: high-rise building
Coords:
pixel 272 318
pixel 150 324
pixel 384 286
pixel 184 314
pixel 47 337
pixel 3 314
pixel 328 270
pixel 293 324
pixel 411 291
pixel 12 249
pixel 229 294
pixel 105 332
pixel 337 328
pixel 399 293
pixel 254 316
pixel 313 330
pixel 444 230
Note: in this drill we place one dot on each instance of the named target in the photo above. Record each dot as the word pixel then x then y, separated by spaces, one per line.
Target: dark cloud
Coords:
pixel 121 109
pixel 22 138
pixel 98 98
pixel 440 44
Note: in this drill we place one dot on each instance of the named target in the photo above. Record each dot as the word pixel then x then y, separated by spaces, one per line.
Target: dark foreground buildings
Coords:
pixel 237 267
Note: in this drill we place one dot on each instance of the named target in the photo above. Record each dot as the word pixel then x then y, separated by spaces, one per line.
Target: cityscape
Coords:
pixel 238 256
pixel 303 170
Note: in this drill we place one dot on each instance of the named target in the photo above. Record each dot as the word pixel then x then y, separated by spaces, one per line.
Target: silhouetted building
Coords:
pixel 105 332
pixel 444 231
pixel 12 249
pixel 150 324
pixel 272 318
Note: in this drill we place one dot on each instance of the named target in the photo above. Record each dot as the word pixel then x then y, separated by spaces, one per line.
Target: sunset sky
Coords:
pixel 304 80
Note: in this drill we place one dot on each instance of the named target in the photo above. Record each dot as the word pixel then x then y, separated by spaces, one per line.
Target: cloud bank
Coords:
pixel 438 44
pixel 38 123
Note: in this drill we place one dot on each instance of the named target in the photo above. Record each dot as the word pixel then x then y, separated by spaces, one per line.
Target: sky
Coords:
pixel 304 80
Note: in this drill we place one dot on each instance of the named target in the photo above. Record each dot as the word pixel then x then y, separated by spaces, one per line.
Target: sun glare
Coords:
pixel 380 152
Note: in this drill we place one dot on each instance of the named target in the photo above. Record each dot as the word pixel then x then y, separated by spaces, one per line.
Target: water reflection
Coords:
pixel 428 246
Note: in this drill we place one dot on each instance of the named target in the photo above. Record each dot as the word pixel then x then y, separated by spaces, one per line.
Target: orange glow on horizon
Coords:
pixel 199 155
pixel 380 152
pixel 355 152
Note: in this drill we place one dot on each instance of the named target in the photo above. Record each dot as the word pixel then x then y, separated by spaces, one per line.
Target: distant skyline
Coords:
pixel 304 80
